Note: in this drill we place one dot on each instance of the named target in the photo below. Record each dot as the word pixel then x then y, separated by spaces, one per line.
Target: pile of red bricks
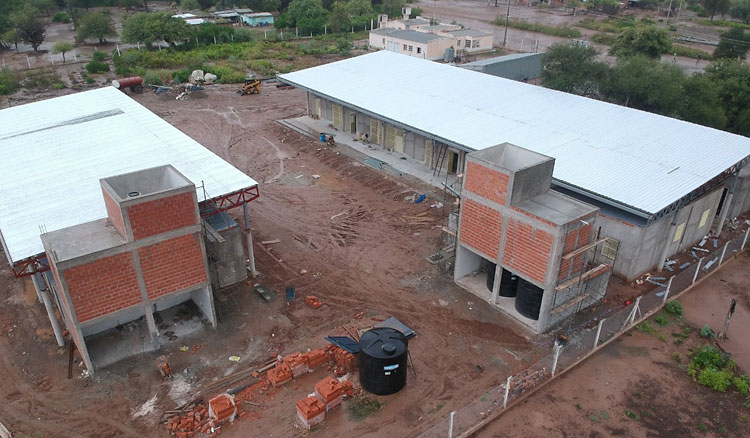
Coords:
pixel 344 362
pixel 313 301
pixel 195 421
pixel 222 408
pixel 527 380
pixel 329 393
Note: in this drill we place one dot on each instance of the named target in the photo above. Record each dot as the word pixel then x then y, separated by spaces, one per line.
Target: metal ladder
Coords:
pixel 442 152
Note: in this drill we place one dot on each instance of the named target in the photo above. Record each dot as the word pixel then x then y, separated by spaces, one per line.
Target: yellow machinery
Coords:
pixel 252 86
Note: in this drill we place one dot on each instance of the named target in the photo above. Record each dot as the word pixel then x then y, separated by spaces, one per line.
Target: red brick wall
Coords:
pixel 114 213
pixel 481 228
pixel 527 250
pixel 487 183
pixel 103 286
pixel 574 239
pixel 161 215
pixel 172 265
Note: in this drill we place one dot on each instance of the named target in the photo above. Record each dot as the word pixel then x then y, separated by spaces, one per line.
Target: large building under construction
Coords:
pixel 115 214
pixel 655 185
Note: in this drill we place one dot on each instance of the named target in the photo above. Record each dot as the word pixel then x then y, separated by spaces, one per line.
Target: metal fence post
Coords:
pixel 507 392
pixel 558 347
pixel 629 320
pixel 450 425
pixel 744 240
pixel 669 288
pixel 598 332
pixel 697 269
pixel 723 251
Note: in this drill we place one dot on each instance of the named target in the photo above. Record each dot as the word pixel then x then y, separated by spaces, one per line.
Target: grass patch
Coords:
pixel 561 31
pixel 724 23
pixel 661 320
pixel 361 408
pixel 690 52
pixel 631 414
pixel 97 67
pixel 611 25
pixel 43 79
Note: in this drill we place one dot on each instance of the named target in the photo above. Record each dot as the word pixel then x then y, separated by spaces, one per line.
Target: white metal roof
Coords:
pixel 637 159
pixel 55 151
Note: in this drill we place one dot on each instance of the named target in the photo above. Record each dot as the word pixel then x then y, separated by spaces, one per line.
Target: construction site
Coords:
pixel 318 258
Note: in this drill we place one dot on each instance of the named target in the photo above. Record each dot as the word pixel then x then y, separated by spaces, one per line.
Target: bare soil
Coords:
pixel 637 386
pixel 365 260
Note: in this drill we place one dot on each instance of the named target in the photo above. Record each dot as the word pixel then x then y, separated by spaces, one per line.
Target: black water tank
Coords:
pixel 508 281
pixel 382 360
pixel 529 299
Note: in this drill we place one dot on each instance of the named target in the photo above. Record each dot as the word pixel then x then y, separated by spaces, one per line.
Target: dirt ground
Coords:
pixel 365 260
pixel 646 376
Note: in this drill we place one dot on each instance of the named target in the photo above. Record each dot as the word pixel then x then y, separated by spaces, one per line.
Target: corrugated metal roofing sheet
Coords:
pixel 638 159
pixel 55 151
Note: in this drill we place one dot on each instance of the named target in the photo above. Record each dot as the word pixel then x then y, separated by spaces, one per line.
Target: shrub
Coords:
pixel 742 383
pixel 97 67
pixel 604 38
pixel 100 56
pixel 706 332
pixel 690 52
pixel 662 321
pixel 712 368
pixel 60 17
pixel 561 31
pixel 674 308
pixel 9 81
pixel 43 80
pixel 152 78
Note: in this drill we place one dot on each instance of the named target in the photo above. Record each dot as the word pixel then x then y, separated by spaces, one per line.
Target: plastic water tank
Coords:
pixel 382 360
pixel 528 299
pixel 508 281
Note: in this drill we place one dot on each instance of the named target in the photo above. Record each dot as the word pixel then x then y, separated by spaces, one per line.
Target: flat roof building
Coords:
pixel 658 183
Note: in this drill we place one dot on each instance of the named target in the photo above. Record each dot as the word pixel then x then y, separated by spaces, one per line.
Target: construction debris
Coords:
pixel 270 242
pixel 163 366
pixel 313 301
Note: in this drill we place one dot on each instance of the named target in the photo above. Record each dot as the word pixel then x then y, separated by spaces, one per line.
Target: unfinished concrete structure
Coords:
pixel 512 224
pixel 147 255
pixel 77 140
pixel 658 186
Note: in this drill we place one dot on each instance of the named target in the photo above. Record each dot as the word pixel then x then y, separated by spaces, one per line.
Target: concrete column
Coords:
pixel 249 234
pixel 44 294
pixel 667 244
pixel 724 211
pixel 496 284
pixel 147 309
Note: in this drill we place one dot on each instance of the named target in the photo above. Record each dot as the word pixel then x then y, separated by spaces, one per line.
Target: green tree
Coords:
pixel 646 84
pixel 732 44
pixel 701 103
pixel 714 7
pixel 190 5
pixel 62 47
pixel 308 15
pixel 648 41
pixel 129 4
pixel 732 78
pixel 740 10
pixel 392 8
pixel 573 69
pixel 339 17
pixel 31 29
pixel 44 5
pixel 11 37
pixel 158 26
pixel 573 4
pixel 135 30
pixel 97 25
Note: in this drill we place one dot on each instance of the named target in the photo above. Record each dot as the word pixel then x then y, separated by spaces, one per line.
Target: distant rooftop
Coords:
pixel 474 33
pixel 409 35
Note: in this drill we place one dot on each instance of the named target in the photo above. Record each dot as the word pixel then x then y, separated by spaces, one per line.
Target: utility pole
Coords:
pixel 669 12
pixel 507 15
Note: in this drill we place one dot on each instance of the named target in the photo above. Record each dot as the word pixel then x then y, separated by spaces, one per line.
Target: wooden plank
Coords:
pixel 569 304
pixel 446 230
pixel 582 276
pixel 270 242
pixel 582 249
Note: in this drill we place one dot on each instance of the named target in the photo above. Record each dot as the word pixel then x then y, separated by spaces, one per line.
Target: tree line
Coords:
pixel 639 79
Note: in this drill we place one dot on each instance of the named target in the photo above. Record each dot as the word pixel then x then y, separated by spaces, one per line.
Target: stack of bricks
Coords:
pixel 298 363
pixel 222 408
pixel 316 358
pixel 187 425
pixel 311 411
pixel 280 374
pixel 329 393
pixel 344 362
pixel 527 380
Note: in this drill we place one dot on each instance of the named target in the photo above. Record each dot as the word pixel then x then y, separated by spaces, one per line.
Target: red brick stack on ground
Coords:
pixel 344 362
pixel 280 374
pixel 187 425
pixel 311 411
pixel 331 391
pixel 313 301
pixel 298 363
pixel 316 358
pixel 222 408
